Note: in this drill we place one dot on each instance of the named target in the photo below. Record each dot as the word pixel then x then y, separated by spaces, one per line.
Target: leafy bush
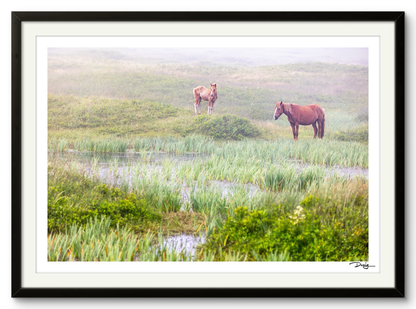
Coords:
pixel 226 127
pixel 302 233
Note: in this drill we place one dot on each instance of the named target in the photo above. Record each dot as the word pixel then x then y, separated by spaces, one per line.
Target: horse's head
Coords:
pixel 213 89
pixel 278 110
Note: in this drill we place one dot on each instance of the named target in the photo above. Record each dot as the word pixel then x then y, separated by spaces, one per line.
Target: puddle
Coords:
pixel 180 244
pixel 184 242
pixel 335 170
pixel 124 158
pixel 349 171
pixel 227 189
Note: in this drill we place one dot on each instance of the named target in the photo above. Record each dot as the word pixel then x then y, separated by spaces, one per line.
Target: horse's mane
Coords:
pixel 287 108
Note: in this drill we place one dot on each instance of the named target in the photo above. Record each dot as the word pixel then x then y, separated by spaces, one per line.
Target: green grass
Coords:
pixel 359 134
pixel 81 119
pixel 75 199
pixel 225 154
pixel 97 241
pixel 75 119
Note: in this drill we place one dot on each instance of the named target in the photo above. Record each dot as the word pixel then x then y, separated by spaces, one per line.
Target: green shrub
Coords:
pixel 226 127
pixel 302 234
pixel 74 199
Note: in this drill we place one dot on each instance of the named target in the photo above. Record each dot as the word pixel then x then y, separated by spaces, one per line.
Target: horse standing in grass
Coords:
pixel 302 115
pixel 207 94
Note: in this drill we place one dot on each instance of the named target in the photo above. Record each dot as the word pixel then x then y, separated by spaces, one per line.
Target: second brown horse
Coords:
pixel 302 115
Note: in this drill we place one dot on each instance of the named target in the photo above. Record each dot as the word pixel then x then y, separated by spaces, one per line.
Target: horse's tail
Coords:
pixel 323 124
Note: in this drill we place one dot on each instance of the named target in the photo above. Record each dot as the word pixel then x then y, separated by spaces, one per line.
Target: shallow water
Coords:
pixel 187 243
pixel 124 158
pixel 349 172
pixel 116 168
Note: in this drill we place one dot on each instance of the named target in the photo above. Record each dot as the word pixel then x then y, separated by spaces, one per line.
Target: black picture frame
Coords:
pixel 17 18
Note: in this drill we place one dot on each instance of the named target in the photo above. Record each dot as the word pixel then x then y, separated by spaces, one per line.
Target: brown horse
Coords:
pixel 302 115
pixel 202 93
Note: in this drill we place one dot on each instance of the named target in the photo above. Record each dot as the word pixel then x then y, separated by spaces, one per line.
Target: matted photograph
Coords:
pixel 161 156
pixel 230 153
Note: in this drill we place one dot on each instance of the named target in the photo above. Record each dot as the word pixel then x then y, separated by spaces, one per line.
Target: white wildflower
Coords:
pixel 297 214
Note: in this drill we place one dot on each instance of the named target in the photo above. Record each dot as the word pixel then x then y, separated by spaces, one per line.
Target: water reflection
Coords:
pixel 187 243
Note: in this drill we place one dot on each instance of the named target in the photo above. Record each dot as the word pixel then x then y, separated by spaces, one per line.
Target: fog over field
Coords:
pixel 241 56
pixel 250 80
pixel 262 56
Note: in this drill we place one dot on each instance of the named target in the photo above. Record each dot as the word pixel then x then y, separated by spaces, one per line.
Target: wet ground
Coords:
pixel 117 168
pixel 186 243
pixel 124 158
pixel 107 166
pixel 105 161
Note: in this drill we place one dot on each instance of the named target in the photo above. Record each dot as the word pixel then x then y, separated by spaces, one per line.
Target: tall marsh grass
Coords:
pixel 96 241
pixel 321 152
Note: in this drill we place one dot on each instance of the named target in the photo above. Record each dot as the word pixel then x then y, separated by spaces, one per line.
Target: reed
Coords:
pixel 331 153
pixel 97 241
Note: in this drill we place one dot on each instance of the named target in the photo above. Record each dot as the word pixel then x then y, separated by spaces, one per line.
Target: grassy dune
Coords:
pixel 71 117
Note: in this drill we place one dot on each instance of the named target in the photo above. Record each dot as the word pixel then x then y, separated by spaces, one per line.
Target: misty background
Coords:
pixel 237 56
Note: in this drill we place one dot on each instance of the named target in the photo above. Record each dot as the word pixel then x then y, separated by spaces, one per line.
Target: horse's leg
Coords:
pixel 196 104
pixel 322 126
pixel 293 130
pixel 320 129
pixel 297 131
pixel 197 98
pixel 210 104
pixel 314 129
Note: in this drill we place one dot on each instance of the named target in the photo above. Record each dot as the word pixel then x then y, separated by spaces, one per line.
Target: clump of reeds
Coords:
pixel 97 241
